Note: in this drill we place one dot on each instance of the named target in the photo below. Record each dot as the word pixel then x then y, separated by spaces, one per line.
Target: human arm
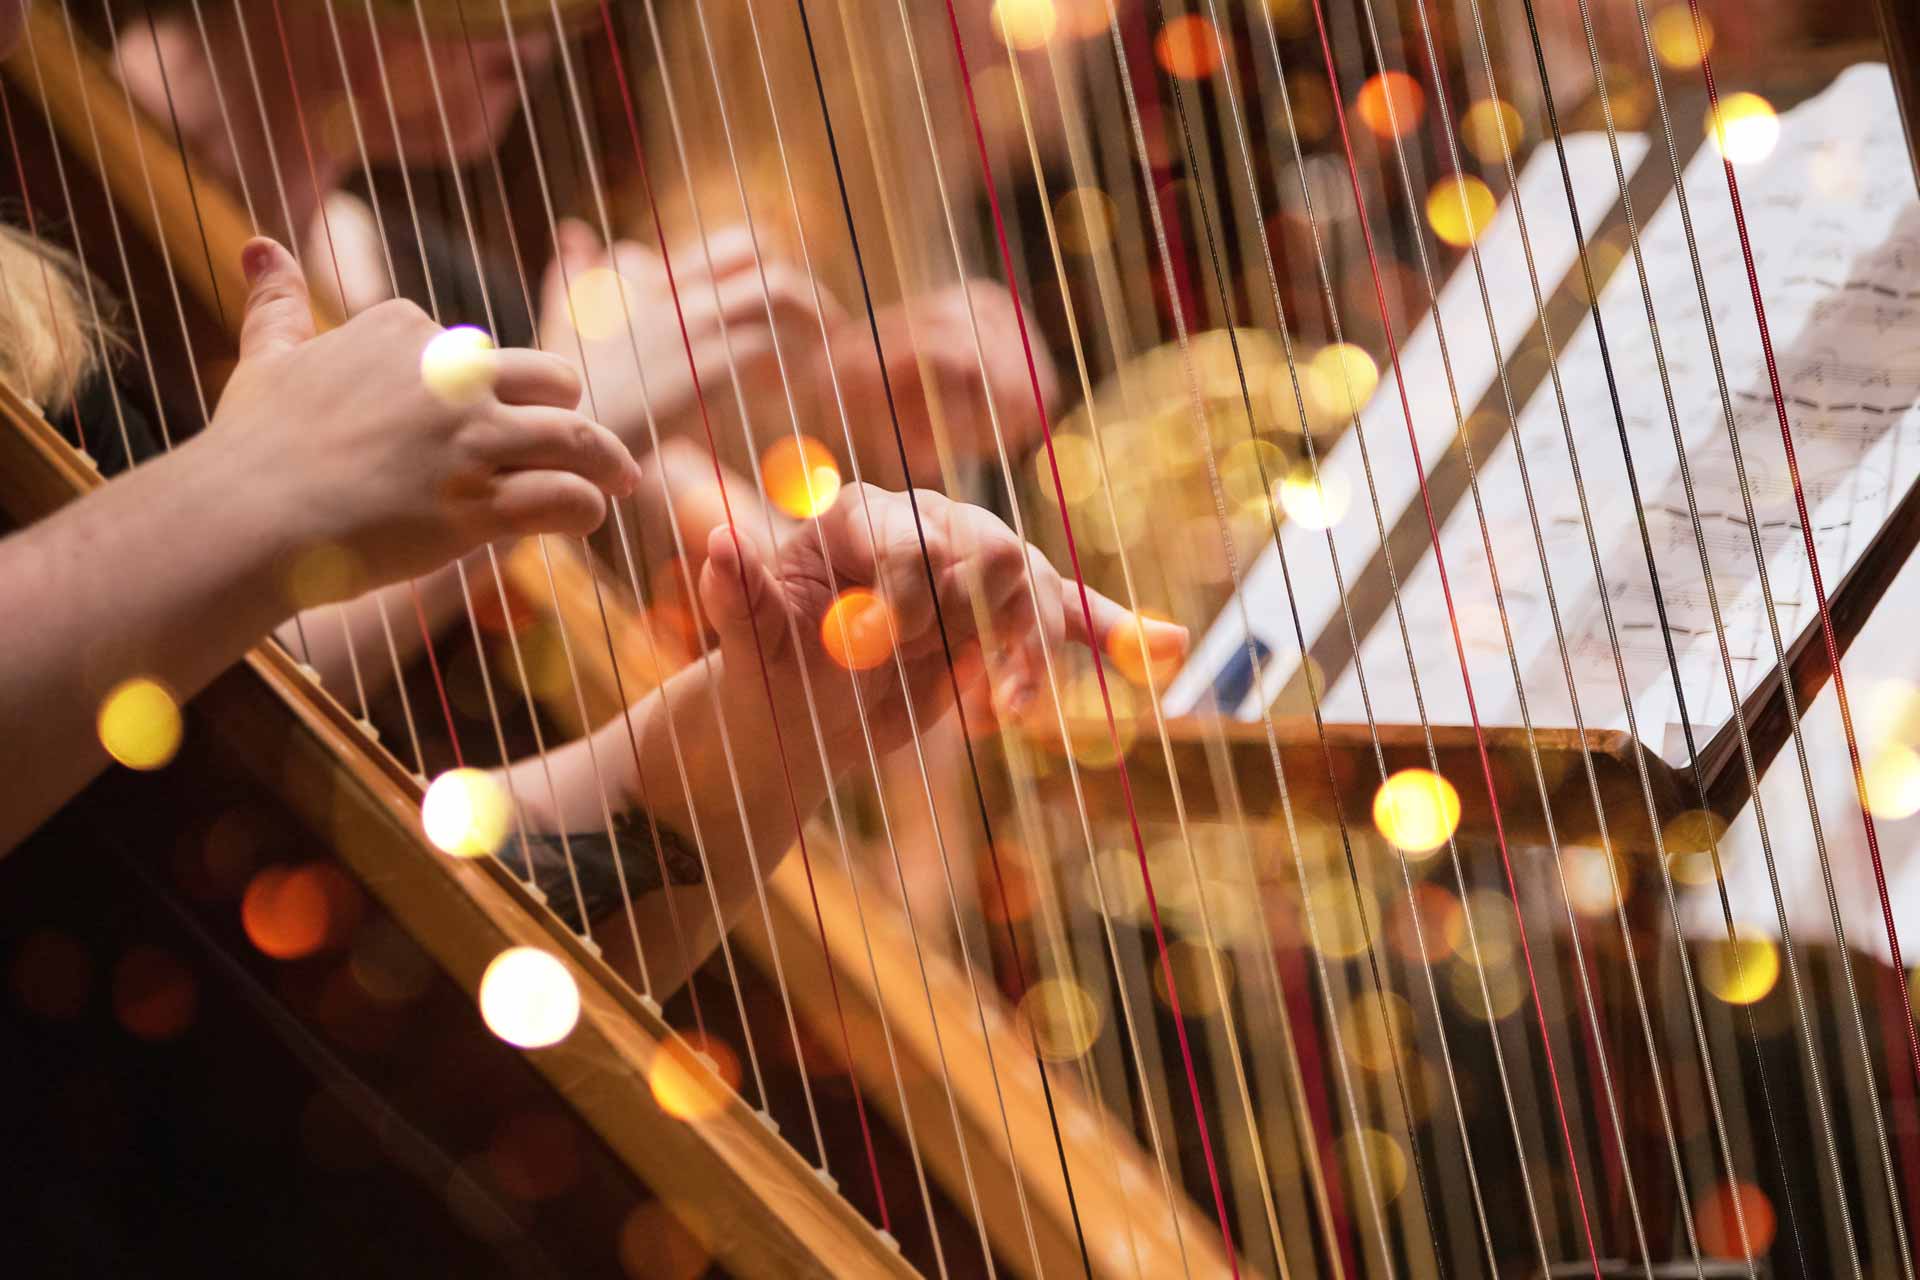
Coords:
pixel 174 570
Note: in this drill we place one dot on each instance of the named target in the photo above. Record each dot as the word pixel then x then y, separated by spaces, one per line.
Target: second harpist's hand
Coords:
pixel 356 446
pixel 870 542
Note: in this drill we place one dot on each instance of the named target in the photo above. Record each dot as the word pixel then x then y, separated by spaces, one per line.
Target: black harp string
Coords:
pixel 939 613
pixel 1592 294
pixel 1559 633
pixel 1790 697
pixel 854 684
pixel 1375 971
pixel 1226 781
pixel 606 230
pixel 1119 340
pixel 1213 949
pixel 626 544
pixel 673 733
pixel 945 203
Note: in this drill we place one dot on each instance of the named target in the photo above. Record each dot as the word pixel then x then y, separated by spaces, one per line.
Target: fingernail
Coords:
pixel 254 259
pixel 1164 640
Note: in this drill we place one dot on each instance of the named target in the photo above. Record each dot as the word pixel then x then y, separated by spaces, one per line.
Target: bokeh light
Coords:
pixel 1343 925
pixel 1083 218
pixel 801 477
pixel 1191 965
pixel 292 912
pixel 1489 927
pixel 1374 1030
pixel 458 364
pixel 1717 1222
pixel 1745 128
pixel 1690 839
pixel 1590 884
pixel 1247 470
pixel 1063 1019
pixel 693 1078
pixel 1345 378
pixel 662 1243
pixel 1675 41
pixel 1376 1151
pixel 597 300
pixel 1742 971
pixel 1189 47
pixel 1024 24
pixel 140 724
pixel 1079 466
pixel 528 998
pixel 1089 737
pixel 1486 994
pixel 1416 810
pixel 466 813
pixel 1490 129
pixel 1460 209
pixel 1314 500
pixel 1893 782
pixel 322 574
pixel 1390 104
pixel 857 630
pixel 154 994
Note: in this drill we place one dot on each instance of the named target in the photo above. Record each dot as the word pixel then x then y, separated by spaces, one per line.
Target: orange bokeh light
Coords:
pixel 857 630
pixel 154 995
pixel 691 1078
pixel 800 475
pixel 293 912
pixel 1391 104
pixel 1189 47
pixel 1719 1227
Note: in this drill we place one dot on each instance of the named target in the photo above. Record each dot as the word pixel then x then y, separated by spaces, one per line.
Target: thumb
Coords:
pixel 279 314
pixel 742 601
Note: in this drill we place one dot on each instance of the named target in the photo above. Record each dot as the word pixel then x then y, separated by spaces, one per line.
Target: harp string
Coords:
pixel 67 372
pixel 1791 700
pixel 946 208
pixel 1486 764
pixel 1079 347
pixel 945 203
pixel 859 699
pixel 1172 256
pixel 1173 999
pixel 1076 344
pixel 1813 558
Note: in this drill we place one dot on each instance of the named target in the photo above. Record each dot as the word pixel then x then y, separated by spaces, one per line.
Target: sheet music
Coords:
pixel 1836 231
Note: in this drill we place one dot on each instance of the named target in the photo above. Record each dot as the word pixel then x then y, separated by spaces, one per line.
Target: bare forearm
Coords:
pixel 170 573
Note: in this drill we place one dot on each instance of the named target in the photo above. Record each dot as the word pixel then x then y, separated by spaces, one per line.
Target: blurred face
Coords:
pixel 478 93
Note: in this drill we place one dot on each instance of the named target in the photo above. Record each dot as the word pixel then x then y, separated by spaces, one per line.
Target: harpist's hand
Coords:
pixel 973 556
pixel 344 436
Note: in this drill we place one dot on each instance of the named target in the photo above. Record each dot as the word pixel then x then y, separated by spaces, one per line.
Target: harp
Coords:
pixel 1199 1015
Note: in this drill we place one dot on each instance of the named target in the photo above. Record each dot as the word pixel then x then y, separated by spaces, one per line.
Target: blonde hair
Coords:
pixel 48 343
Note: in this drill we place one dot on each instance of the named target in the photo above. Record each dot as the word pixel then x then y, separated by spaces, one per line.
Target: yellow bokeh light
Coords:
pixel 1460 209
pixel 857 630
pixel 1201 975
pixel 597 302
pixel 1079 465
pixel 1348 376
pixel 1247 470
pixel 1490 129
pixel 801 477
pixel 1391 104
pixel 1343 926
pixel 1315 500
pixel 1488 930
pixel 140 724
pixel 457 365
pixel 1375 1028
pixel 1089 738
pixel 1740 972
pixel 1590 885
pixel 1501 996
pixel 1416 810
pixel 1063 1018
pixel 1745 128
pixel 1189 47
pixel 1690 839
pixel 1383 1156
pixel 691 1079
pixel 466 813
pixel 1893 782
pixel 1084 18
pixel 322 574
pixel 528 998
pixel 1674 39
pixel 1024 24
pixel 1083 218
